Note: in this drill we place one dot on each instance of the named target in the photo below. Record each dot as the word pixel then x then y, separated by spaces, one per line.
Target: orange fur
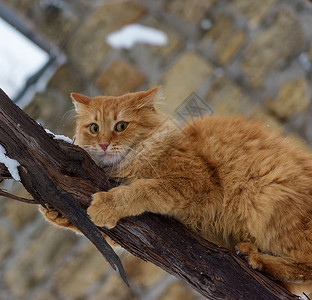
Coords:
pixel 235 182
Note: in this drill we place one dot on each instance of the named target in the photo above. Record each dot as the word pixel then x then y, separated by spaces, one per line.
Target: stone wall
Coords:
pixel 240 57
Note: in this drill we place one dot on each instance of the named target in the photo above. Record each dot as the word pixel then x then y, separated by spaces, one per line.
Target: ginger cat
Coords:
pixel 235 182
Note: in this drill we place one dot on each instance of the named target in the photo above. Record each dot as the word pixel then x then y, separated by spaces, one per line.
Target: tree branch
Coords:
pixel 64 176
pixel 25 200
pixel 4 172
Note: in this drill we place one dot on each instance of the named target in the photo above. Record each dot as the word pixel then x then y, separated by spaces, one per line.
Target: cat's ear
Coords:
pixel 79 99
pixel 148 98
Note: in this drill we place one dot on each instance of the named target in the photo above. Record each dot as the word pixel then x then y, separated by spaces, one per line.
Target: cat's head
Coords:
pixel 110 127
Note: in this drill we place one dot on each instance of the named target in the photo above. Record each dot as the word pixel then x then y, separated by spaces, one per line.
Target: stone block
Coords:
pixel 54 24
pixel 66 80
pixel 20 214
pixel 54 106
pixel 193 106
pixel 88 47
pixel 253 11
pixel 6 242
pixel 119 78
pixel 46 295
pixel 279 42
pixel 78 275
pixel 299 142
pixel 293 98
pixel 144 274
pixel 143 277
pixel 22 6
pixel 54 110
pixel 189 10
pixel 224 39
pixel 179 290
pixel 35 263
pixel 310 52
pixel 227 98
pixel 115 289
pixel 263 116
pixel 174 43
pixel 185 76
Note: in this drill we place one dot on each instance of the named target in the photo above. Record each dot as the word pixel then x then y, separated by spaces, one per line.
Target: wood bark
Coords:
pixel 64 176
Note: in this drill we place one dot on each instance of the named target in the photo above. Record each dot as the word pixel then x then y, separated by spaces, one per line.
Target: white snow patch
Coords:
pixel 10 163
pixel 129 35
pixel 305 61
pixel 15 67
pixel 60 137
pixel 206 24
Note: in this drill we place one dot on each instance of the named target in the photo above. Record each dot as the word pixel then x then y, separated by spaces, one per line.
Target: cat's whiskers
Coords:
pixel 92 150
pixel 70 112
pixel 117 92
pixel 128 161
pixel 112 168
pixel 88 148
pixel 92 88
pixel 119 150
pixel 160 103
pixel 112 171
pixel 84 146
pixel 122 170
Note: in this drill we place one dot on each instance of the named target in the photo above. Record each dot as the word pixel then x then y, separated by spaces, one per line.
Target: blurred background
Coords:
pixel 252 58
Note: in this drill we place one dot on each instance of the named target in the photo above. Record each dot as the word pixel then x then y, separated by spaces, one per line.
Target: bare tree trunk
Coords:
pixel 64 176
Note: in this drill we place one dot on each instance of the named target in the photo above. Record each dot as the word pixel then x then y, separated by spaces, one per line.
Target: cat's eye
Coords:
pixel 121 126
pixel 94 128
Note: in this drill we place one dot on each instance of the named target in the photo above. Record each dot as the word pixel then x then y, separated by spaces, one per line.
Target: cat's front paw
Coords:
pixel 102 210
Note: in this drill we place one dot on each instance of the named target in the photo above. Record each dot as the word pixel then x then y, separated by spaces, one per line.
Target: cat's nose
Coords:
pixel 104 146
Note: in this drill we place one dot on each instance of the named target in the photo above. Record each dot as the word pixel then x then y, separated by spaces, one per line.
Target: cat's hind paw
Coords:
pixel 102 210
pixel 250 253
pixel 245 249
pixel 54 216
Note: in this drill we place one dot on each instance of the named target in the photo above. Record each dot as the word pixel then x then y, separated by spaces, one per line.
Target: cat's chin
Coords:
pixel 107 159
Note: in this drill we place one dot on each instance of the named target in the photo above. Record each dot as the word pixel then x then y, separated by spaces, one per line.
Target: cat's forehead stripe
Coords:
pixel 115 115
pixel 107 109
